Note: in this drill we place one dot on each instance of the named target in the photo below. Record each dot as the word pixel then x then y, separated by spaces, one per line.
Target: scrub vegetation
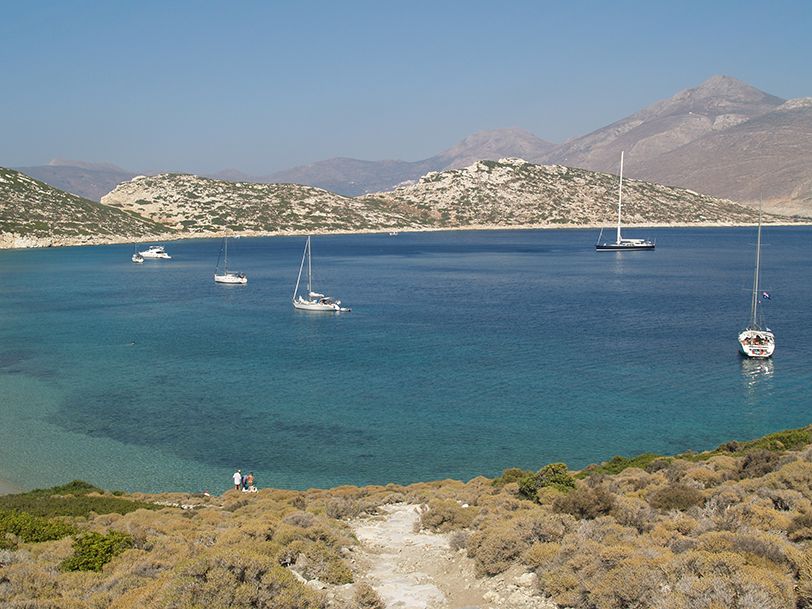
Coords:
pixel 731 528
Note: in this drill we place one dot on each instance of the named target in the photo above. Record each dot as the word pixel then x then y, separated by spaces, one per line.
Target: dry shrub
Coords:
pixel 342 508
pixel 723 579
pixel 630 480
pixel 316 560
pixel 800 529
pixel 804 589
pixel 494 549
pixel 634 512
pixel 755 547
pixel 541 525
pixel 676 497
pixel 236 578
pixel 701 475
pixel 758 463
pixel 596 575
pixel 795 476
pixel 304 520
pixel 585 502
pixel 233 506
pixel 286 534
pixel 755 512
pixel 676 526
pixel 366 597
pixel 443 515
pixel 458 540
pixel 540 554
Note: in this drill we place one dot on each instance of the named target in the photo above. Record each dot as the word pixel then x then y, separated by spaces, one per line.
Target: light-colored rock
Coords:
pixel 527 580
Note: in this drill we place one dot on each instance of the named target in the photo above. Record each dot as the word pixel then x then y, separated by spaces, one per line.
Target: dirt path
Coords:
pixel 419 571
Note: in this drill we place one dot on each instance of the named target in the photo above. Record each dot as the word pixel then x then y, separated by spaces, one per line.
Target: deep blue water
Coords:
pixel 465 353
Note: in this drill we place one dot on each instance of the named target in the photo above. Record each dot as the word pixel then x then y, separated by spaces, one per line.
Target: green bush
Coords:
pixel 31 529
pixel 512 474
pixel 789 439
pixel 617 464
pixel 91 551
pixel 72 499
pixel 554 475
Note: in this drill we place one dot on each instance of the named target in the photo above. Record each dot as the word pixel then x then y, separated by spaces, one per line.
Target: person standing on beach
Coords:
pixel 237 478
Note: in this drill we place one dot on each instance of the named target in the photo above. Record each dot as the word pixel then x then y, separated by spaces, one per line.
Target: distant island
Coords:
pixel 730 527
pixel 508 193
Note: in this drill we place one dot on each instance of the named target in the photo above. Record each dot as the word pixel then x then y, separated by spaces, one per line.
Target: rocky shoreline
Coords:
pixel 16 241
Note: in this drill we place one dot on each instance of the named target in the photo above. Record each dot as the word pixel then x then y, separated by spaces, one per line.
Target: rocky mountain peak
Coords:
pixel 726 89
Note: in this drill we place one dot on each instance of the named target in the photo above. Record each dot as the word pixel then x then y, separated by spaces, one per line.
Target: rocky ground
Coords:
pixel 419 570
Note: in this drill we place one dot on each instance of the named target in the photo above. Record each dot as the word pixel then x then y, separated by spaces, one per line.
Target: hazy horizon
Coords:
pixel 204 87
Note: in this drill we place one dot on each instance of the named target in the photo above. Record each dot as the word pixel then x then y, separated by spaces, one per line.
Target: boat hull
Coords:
pixel 614 247
pixel 156 256
pixel 231 279
pixel 757 344
pixel 319 307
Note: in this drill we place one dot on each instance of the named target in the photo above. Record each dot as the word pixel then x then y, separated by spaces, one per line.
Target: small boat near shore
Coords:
pixel 228 277
pixel 620 244
pixel 756 340
pixel 314 301
pixel 155 252
pixel 137 258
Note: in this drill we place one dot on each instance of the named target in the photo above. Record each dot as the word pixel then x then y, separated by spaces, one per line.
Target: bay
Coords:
pixel 465 353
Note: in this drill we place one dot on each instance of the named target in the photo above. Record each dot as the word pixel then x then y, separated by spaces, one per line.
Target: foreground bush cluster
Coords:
pixel 731 528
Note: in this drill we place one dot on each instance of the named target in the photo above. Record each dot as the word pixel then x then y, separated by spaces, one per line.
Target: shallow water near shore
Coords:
pixel 465 353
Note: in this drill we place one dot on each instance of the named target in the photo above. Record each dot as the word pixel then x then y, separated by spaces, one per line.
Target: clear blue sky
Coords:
pixel 265 85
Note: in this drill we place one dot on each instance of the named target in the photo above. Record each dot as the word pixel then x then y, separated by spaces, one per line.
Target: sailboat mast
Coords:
pixel 754 301
pixel 309 268
pixel 301 266
pixel 225 256
pixel 619 196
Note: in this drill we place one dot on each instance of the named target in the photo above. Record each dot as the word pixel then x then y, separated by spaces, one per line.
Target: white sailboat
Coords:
pixel 314 301
pixel 756 340
pixel 620 244
pixel 227 276
pixel 155 252
pixel 137 258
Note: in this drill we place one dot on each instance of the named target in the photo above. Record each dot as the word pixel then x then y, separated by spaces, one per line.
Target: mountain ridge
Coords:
pixel 701 138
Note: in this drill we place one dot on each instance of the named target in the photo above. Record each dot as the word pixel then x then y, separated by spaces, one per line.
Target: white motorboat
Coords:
pixel 227 276
pixel 313 301
pixel 620 244
pixel 137 258
pixel 155 252
pixel 757 340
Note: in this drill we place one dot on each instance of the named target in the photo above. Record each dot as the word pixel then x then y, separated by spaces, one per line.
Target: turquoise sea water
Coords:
pixel 465 353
